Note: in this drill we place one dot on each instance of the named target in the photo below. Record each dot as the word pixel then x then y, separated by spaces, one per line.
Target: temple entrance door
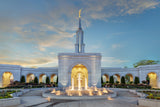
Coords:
pixel 79 72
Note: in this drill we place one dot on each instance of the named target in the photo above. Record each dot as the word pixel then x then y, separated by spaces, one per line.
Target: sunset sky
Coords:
pixel 33 32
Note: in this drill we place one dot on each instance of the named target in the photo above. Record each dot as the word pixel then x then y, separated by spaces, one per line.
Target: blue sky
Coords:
pixel 33 32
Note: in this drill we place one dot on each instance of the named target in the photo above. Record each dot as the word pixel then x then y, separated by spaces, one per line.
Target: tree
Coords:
pixel 127 79
pixel 148 80
pixel 136 80
pixel 111 80
pixel 47 80
pixel 23 80
pixel 102 81
pixel 123 80
pixel 36 80
pixel 145 62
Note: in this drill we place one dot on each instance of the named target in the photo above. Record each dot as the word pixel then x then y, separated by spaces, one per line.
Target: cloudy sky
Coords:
pixel 33 32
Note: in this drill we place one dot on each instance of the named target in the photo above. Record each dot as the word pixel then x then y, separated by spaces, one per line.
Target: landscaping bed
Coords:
pixel 152 94
pixel 7 94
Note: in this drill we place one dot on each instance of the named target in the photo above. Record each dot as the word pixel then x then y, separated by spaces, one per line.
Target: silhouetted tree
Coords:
pixel 23 80
pixel 36 80
pixel 145 62
pixel 123 80
pixel 47 80
pixel 111 80
pixel 136 80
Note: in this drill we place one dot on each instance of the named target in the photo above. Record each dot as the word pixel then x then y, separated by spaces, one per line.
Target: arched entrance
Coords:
pixel 152 79
pixel 81 72
pixel 53 78
pixel 7 78
pixel 105 78
pixel 42 78
pixel 128 78
pixel 30 78
pixel 117 78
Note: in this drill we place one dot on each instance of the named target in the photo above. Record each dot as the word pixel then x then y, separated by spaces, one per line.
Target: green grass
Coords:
pixel 152 94
pixel 7 94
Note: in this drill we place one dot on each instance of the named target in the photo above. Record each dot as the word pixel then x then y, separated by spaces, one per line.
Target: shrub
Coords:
pixel 57 82
pixel 136 80
pixel 131 82
pixel 23 80
pixel 47 80
pixel 111 80
pixel 117 82
pixel 36 80
pixel 107 81
pixel 123 80
pixel 144 82
pixel 102 81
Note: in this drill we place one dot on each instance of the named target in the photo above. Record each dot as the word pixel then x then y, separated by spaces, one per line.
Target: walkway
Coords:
pixel 34 99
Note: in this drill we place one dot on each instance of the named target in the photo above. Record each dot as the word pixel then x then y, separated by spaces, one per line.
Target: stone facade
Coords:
pixel 67 61
pixel 90 60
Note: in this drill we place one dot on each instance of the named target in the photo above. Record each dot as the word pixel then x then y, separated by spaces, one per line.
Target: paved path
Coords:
pixel 34 99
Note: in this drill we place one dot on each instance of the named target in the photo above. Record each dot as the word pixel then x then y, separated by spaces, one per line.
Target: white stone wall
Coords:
pixel 14 69
pixel 67 61
pixel 91 60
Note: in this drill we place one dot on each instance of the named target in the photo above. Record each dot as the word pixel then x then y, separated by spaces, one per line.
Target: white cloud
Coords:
pixel 112 61
pixel 55 26
pixel 115 46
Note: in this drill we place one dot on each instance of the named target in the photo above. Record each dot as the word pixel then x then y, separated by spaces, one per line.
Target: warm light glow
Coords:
pixel 30 78
pixel 109 98
pixel 82 70
pixel 58 92
pixel 7 78
pixel 79 93
pixel 153 79
pixel 54 90
pixel 42 78
pixel 104 90
pixel 80 13
pixel 99 93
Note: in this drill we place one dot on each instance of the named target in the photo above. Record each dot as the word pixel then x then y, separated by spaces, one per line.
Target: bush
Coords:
pixel 144 82
pixel 23 80
pixel 123 80
pixel 117 82
pixel 136 80
pixel 47 80
pixel 107 81
pixel 36 80
pixel 131 82
pixel 111 80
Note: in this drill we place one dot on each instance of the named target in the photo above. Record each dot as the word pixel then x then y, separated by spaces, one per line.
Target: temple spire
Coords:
pixel 79 46
pixel 80 19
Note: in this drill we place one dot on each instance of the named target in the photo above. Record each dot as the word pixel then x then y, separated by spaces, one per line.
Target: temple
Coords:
pixel 79 65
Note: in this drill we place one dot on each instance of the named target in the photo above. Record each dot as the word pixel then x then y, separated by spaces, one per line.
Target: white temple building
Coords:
pixel 85 65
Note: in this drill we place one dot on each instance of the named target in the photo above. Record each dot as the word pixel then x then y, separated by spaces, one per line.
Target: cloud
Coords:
pixel 103 9
pixel 53 24
pixel 112 61
pixel 115 46
pixel 28 61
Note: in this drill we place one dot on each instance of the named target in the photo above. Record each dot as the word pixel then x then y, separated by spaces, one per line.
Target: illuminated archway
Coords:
pixel 53 78
pixel 42 78
pixel 7 78
pixel 128 78
pixel 117 78
pixel 152 79
pixel 105 78
pixel 30 78
pixel 82 70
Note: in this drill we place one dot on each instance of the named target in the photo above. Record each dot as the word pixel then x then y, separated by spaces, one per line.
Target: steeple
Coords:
pixel 79 46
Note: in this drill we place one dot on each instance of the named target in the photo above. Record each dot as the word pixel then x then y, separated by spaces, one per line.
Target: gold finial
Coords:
pixel 80 13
